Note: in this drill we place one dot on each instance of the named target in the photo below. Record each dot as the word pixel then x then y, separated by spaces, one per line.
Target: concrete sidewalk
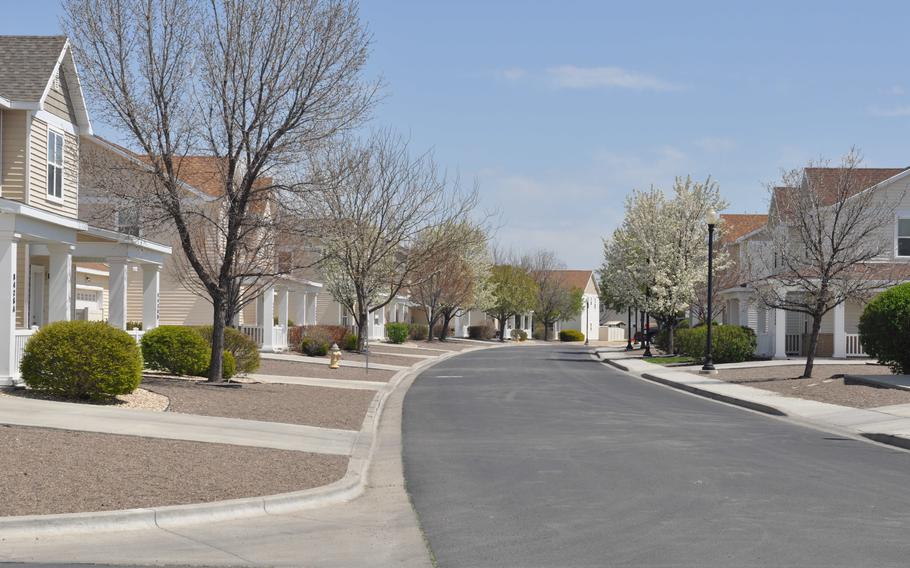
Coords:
pixel 887 424
pixel 174 426
pixel 319 382
pixel 323 361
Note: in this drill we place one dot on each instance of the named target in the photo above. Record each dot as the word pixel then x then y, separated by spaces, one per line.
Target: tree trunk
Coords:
pixel 671 332
pixel 446 320
pixel 502 329
pixel 215 364
pixel 547 327
pixel 363 321
pixel 813 345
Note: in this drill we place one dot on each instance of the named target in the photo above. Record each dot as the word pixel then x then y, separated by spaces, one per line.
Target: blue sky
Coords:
pixel 559 109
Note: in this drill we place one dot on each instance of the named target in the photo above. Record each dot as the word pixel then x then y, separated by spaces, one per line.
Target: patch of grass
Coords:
pixel 669 360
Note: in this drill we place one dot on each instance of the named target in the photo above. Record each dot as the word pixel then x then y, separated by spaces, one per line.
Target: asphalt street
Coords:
pixel 540 456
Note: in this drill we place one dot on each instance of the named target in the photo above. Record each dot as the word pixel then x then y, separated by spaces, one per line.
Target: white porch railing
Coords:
pixel 854 348
pixel 279 336
pixel 136 334
pixel 794 344
pixel 21 337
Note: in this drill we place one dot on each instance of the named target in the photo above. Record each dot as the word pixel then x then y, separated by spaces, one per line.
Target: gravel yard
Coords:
pixel 297 369
pixel 45 471
pixel 291 404
pixel 823 387
pixel 140 398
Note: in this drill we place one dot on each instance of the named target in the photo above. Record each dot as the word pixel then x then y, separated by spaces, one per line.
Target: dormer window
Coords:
pixel 128 222
pixel 903 237
pixel 54 165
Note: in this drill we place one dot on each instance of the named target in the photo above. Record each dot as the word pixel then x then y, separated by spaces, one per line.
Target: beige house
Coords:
pixel 783 333
pixel 44 125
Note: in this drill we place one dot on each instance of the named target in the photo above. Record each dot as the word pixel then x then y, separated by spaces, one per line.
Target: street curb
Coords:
pixel 716 396
pixel 350 486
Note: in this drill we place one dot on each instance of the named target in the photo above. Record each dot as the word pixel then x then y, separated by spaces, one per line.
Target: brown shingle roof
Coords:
pixel 829 182
pixel 739 224
pixel 574 278
pixel 26 64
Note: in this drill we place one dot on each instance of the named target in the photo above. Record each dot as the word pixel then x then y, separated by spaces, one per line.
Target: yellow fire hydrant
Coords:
pixel 335 358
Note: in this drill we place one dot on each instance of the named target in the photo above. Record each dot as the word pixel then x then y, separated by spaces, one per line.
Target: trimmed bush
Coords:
pixel 228 365
pixel 397 332
pixel 130 325
pixel 884 328
pixel 729 343
pixel 519 335
pixel 82 360
pixel 571 335
pixel 241 347
pixel 662 337
pixel 484 332
pixel 314 346
pixel 350 342
pixel 539 331
pixel 418 331
pixel 176 349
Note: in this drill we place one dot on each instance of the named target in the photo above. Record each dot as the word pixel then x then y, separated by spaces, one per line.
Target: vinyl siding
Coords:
pixel 13 160
pixel 38 172
pixel 21 283
pixel 58 101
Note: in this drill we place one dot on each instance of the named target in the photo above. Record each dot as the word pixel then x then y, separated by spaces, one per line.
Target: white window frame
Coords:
pixel 900 216
pixel 51 196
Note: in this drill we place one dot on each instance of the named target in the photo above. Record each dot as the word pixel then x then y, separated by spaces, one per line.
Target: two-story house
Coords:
pixel 784 333
pixel 43 126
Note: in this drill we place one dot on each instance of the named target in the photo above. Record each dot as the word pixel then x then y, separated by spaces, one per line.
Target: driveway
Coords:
pixel 541 456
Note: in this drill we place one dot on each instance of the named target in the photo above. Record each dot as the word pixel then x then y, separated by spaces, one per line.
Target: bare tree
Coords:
pixel 380 214
pixel 256 84
pixel 826 229
pixel 555 300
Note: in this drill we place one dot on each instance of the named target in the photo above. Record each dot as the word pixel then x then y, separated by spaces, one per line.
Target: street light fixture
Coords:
pixel 712 218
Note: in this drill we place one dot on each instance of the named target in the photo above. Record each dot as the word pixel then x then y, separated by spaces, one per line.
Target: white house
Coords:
pixel 588 320
pixel 43 124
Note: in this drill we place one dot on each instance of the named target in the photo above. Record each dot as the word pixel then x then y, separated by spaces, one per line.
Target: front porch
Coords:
pixel 781 333
pixel 270 312
pixel 39 252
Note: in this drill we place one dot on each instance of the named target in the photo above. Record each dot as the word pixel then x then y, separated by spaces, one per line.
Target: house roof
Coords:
pixel 828 182
pixel 574 278
pixel 26 65
pixel 737 225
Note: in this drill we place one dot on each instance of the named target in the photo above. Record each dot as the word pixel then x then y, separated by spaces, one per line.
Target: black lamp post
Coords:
pixel 712 219
pixel 629 330
pixel 647 336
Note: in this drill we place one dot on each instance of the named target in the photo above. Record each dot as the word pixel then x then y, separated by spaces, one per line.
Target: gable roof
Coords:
pixel 826 181
pixel 574 278
pixel 737 225
pixel 26 65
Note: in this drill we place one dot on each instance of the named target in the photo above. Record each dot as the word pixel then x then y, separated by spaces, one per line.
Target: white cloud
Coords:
pixel 574 77
pixel 716 145
pixel 890 111
pixel 895 90
pixel 514 73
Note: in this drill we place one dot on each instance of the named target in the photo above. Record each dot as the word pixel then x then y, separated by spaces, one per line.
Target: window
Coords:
pixel 128 221
pixel 903 237
pixel 54 164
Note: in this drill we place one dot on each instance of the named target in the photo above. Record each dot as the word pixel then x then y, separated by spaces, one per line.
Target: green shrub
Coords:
pixel 571 335
pixel 397 332
pixel 662 338
pixel 130 325
pixel 241 347
pixel 82 360
pixel 484 332
pixel 350 343
pixel 884 328
pixel 418 331
pixel 314 346
pixel 179 350
pixel 729 343
pixel 539 331
pixel 228 365
pixel 519 335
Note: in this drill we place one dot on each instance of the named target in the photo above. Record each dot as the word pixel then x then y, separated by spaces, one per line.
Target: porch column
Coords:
pixel 311 308
pixel 117 295
pixel 283 313
pixel 780 334
pixel 744 311
pixel 300 316
pixel 268 319
pixel 59 298
pixel 151 282
pixel 8 363
pixel 840 334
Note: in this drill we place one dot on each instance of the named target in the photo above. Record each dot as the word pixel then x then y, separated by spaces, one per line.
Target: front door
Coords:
pixel 36 296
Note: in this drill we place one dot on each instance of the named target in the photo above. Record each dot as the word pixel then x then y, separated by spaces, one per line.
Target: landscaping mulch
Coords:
pixel 298 369
pixel 827 384
pixel 139 398
pixel 44 471
pixel 290 404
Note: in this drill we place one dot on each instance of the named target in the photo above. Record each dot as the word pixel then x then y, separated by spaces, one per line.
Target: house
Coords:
pixel 44 125
pixel 588 320
pixel 783 333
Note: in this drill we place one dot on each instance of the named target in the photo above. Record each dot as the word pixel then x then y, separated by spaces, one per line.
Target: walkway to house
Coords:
pixel 175 426
pixel 323 361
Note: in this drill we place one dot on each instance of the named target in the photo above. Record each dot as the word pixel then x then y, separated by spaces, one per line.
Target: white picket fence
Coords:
pixel 854 348
pixel 279 336
pixel 794 344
